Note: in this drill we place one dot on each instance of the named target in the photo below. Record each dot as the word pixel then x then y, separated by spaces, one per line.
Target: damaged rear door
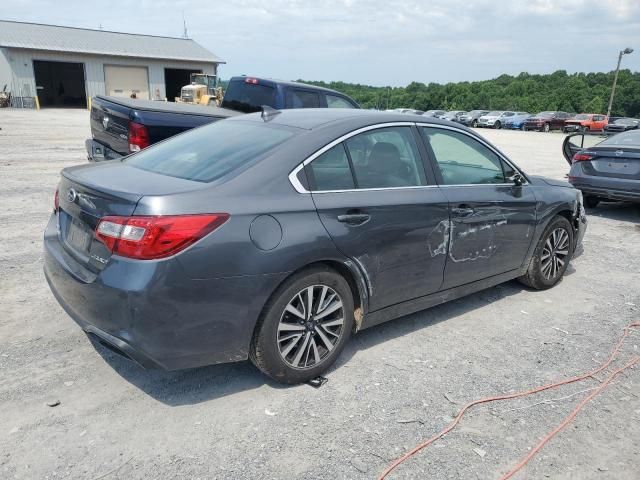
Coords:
pixel 492 218
pixel 376 202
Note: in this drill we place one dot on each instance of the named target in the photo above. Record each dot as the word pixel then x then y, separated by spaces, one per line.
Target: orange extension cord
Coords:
pixel 550 435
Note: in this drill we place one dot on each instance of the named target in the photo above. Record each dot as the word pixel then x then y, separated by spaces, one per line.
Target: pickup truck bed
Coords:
pixel 112 117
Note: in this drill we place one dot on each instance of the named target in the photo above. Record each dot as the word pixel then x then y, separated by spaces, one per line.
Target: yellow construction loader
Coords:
pixel 201 91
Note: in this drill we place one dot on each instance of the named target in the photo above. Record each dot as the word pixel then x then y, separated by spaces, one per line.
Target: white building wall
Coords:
pixel 22 80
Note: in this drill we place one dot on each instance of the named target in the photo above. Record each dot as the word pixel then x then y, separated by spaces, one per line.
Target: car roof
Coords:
pixel 289 83
pixel 311 118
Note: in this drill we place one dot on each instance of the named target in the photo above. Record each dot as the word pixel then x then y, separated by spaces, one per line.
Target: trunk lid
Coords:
pixel 89 192
pixel 613 162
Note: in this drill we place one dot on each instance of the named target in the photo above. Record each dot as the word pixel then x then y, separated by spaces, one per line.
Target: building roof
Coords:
pixel 36 36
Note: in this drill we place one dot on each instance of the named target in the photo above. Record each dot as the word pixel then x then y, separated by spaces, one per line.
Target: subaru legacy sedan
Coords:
pixel 274 236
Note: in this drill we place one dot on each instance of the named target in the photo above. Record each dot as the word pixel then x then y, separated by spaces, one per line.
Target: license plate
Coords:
pixel 78 236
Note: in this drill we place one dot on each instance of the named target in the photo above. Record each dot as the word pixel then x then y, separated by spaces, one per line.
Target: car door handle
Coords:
pixel 354 218
pixel 462 211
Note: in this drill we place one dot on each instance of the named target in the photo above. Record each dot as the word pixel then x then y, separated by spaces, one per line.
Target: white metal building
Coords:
pixel 64 66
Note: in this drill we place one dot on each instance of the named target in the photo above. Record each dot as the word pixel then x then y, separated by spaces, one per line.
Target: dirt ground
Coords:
pixel 393 386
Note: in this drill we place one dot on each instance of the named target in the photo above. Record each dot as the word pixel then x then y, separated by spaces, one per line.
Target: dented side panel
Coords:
pixel 399 250
pixel 490 231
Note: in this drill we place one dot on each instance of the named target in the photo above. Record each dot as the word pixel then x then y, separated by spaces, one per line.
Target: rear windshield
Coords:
pixel 248 97
pixel 630 139
pixel 207 153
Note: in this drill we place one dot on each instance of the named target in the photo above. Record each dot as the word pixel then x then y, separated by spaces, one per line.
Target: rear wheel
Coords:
pixel 591 201
pixel 551 257
pixel 546 127
pixel 474 124
pixel 304 327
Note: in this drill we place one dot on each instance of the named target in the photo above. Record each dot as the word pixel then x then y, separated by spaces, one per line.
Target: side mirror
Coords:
pixel 517 179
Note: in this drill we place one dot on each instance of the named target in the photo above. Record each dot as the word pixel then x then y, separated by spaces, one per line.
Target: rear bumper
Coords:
pixel 610 193
pixel 97 152
pixel 152 312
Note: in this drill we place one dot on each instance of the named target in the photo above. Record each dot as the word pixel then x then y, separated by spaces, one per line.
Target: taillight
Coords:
pixel 56 202
pixel 148 238
pixel 138 137
pixel 581 157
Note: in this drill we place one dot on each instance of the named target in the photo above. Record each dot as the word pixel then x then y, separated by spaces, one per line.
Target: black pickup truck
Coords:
pixel 120 126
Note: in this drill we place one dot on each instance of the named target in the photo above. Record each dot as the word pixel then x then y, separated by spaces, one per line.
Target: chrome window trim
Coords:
pixel 293 176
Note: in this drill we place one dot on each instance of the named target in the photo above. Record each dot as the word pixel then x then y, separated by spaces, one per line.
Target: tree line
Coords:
pixel 576 92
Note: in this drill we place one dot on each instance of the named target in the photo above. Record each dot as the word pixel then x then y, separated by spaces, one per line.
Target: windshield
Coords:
pixel 545 114
pixel 494 114
pixel 627 139
pixel 475 112
pixel 246 96
pixel 207 153
pixel 582 116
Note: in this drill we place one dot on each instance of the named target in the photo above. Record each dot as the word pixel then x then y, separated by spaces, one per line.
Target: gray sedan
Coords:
pixel 609 169
pixel 276 236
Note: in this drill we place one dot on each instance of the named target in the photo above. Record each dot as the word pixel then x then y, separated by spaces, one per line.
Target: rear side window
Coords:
pixel 386 158
pixel 303 99
pixel 247 96
pixel 207 153
pixel 331 171
pixel 334 101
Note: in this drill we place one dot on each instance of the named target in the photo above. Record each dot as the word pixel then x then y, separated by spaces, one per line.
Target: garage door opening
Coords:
pixel 175 79
pixel 129 82
pixel 60 84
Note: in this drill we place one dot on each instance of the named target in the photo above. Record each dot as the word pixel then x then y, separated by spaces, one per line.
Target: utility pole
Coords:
pixel 626 51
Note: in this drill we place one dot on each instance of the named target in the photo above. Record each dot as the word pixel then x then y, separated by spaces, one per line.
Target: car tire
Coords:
pixel 278 351
pixel 546 127
pixel 591 201
pixel 474 124
pixel 548 264
pixel 497 125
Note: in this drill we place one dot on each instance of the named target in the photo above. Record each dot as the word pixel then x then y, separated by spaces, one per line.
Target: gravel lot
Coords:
pixel 394 385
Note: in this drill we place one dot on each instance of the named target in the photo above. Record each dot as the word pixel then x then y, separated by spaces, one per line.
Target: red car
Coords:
pixel 585 122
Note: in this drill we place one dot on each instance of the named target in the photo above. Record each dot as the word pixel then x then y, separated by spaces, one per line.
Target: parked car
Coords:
pixel 494 119
pixel 622 125
pixel 122 126
pixel 434 113
pixel 470 119
pixel 407 110
pixel 517 121
pixel 546 121
pixel 189 252
pixel 584 122
pixel 453 115
pixel 609 169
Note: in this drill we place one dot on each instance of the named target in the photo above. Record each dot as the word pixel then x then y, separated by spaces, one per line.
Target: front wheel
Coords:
pixel 304 327
pixel 497 125
pixel 551 256
pixel 474 124
pixel 546 127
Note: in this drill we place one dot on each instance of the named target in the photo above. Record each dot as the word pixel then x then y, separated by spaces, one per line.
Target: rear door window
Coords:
pixel 207 153
pixel 248 96
pixel 331 171
pixel 386 158
pixel 303 99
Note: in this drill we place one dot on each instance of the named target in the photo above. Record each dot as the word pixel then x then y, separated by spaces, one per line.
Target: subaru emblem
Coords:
pixel 72 195
pixel 105 122
pixel 619 153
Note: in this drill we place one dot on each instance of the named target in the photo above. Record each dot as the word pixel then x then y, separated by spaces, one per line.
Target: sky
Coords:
pixel 374 42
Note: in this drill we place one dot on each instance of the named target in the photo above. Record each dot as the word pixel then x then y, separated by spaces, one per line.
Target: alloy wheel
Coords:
pixel 554 254
pixel 310 326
